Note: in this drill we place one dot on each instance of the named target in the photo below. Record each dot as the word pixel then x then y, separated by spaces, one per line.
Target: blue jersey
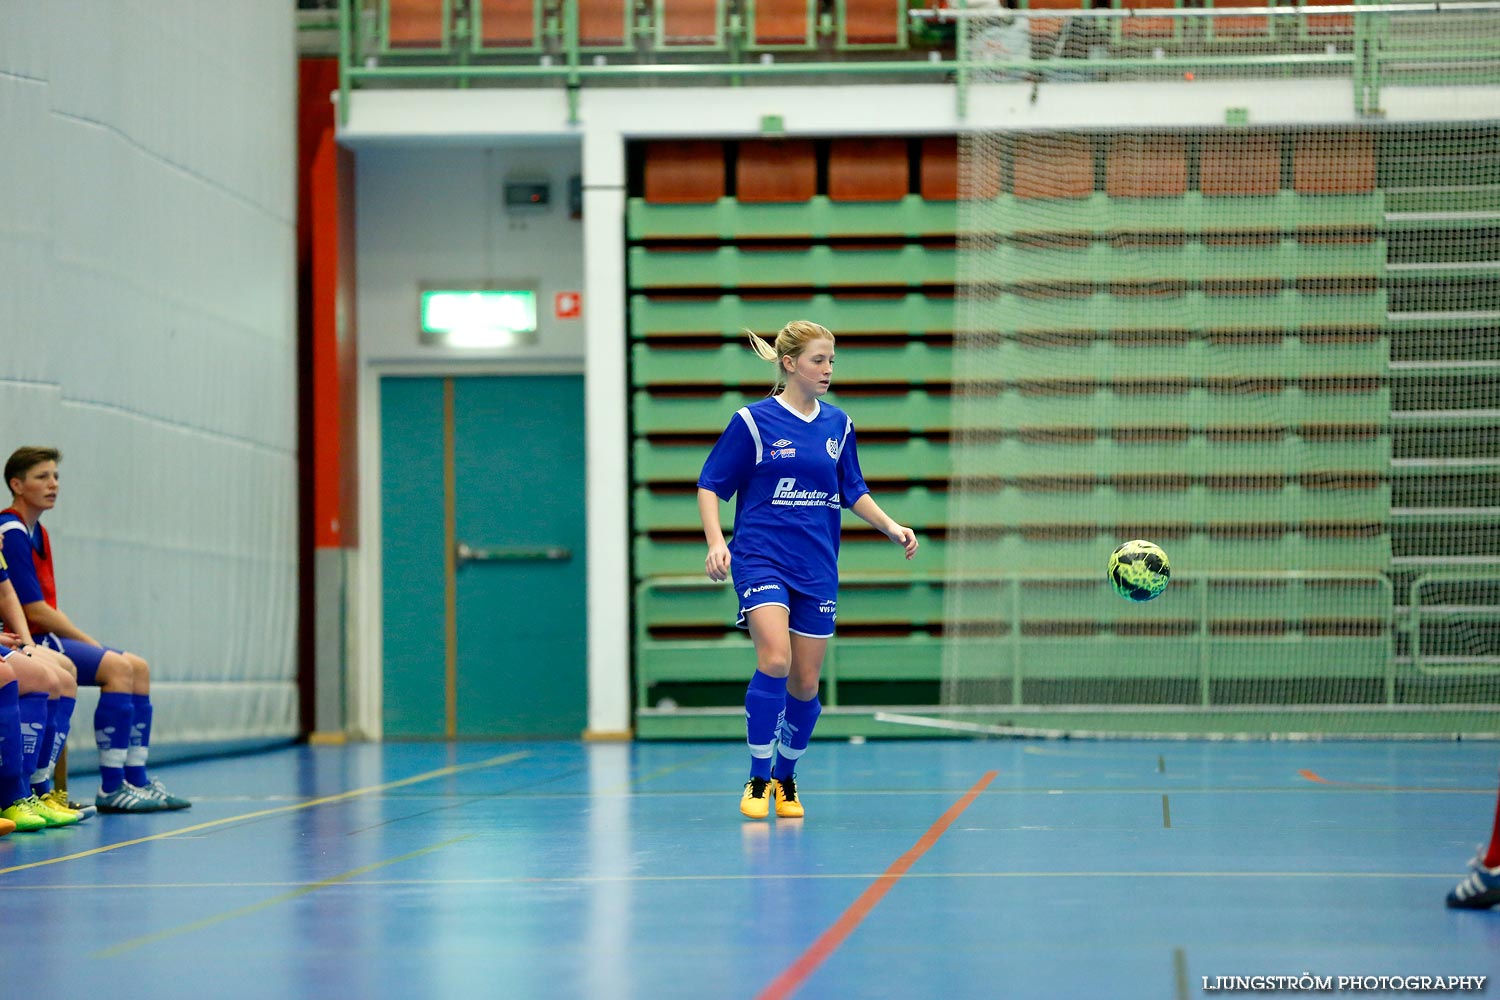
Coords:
pixel 790 476
pixel 19 548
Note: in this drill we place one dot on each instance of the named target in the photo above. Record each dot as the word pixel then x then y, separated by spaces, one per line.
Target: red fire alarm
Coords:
pixel 568 305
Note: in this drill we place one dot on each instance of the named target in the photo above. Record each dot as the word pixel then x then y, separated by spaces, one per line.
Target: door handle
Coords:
pixel 465 553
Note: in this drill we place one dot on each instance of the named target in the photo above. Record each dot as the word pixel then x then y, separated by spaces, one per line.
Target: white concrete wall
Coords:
pixel 147 328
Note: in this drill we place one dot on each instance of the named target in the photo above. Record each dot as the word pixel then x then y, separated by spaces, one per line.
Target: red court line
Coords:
pixel 1319 779
pixel 792 978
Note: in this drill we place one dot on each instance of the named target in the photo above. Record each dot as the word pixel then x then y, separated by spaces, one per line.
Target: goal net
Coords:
pixel 1273 351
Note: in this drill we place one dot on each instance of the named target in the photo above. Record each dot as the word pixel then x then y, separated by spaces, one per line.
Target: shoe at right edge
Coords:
pixel 756 802
pixel 127 799
pixel 158 791
pixel 788 805
pixel 1479 891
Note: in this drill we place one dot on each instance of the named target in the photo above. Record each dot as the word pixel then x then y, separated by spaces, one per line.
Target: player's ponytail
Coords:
pixel 790 342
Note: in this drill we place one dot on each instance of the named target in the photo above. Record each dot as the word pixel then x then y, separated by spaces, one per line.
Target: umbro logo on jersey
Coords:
pixel 780 444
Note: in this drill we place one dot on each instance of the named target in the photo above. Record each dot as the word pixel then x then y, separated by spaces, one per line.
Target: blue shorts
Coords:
pixel 807 614
pixel 85 655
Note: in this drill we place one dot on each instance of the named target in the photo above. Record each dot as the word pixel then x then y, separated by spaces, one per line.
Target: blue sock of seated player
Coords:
pixel 764 700
pixel 112 736
pixel 33 709
pixel 59 722
pixel 140 741
pixel 796 731
pixel 12 775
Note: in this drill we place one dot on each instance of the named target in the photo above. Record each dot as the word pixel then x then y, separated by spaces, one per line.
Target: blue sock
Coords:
pixel 59 722
pixel 12 778
pixel 112 736
pixel 140 741
pixel 796 729
pixel 764 701
pixel 33 709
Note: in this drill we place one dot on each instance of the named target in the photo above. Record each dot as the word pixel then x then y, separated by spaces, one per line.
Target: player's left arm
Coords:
pixel 11 614
pixel 44 618
pixel 869 511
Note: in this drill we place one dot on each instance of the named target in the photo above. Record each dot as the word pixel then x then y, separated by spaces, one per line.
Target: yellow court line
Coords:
pixel 325 800
pixel 219 918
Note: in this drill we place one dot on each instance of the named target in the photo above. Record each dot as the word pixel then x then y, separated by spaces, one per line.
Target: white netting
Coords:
pixel 1274 352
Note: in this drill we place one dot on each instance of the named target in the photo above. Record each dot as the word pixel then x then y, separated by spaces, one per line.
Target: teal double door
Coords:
pixel 482 550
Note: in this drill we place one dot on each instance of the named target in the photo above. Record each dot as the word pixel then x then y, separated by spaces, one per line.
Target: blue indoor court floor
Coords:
pixel 924 869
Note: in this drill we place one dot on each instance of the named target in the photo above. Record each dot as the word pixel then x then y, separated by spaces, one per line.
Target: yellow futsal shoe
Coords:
pixel 788 806
pixel 53 815
pixel 57 801
pixel 21 814
pixel 755 803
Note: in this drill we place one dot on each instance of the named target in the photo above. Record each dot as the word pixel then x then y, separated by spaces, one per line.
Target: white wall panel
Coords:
pixel 147 316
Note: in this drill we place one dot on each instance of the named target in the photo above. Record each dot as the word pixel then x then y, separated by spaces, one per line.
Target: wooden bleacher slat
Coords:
pixel 684 173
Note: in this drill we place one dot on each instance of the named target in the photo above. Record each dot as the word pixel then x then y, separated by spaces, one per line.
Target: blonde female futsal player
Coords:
pixel 790 462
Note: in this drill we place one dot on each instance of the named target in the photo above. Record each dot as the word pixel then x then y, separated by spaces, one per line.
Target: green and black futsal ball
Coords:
pixel 1139 570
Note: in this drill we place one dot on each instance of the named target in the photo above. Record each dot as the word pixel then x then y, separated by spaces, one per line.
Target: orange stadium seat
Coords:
pixel 1334 164
pixel 1148 27
pixel 776 170
pixel 1048 27
pixel 1331 24
pixel 874 22
pixel 603 24
pixel 938 170
pixel 1146 167
pixel 1240 165
pixel 868 170
pixel 783 22
pixel 416 24
pixel 684 173
pixel 1250 26
pixel 1054 167
pixel 688 22
pixel 507 24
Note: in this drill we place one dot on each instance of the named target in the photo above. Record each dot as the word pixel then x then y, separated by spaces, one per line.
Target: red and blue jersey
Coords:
pixel 28 555
pixel 790 476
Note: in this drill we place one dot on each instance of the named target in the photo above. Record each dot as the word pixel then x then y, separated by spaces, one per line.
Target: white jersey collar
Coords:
pixel 806 418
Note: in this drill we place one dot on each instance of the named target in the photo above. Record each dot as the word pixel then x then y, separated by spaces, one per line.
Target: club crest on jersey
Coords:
pixel 833 449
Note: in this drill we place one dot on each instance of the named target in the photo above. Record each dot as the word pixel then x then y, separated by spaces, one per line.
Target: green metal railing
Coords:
pixel 1384 42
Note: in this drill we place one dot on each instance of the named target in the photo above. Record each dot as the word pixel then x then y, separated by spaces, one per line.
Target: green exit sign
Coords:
pixel 482 317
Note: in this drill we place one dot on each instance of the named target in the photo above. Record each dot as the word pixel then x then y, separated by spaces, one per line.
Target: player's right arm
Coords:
pixel 717 563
